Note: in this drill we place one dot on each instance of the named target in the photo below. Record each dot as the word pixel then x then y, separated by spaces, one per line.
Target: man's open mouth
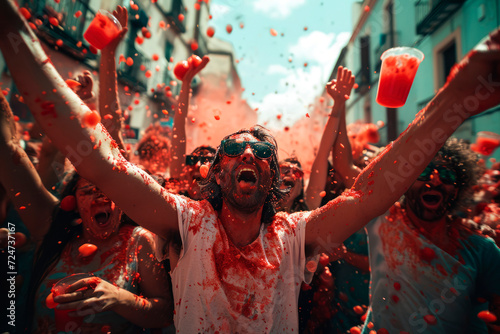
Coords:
pixel 288 183
pixel 246 178
pixel 432 199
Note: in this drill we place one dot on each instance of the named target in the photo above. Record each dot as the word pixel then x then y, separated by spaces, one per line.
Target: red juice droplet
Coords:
pixel 427 254
pixel 91 118
pixel 68 203
pixel 78 13
pixel 229 28
pixel 54 21
pixel 25 12
pixel 87 249
pixel 358 309
pixel 430 319
pixel 487 316
pixel 210 31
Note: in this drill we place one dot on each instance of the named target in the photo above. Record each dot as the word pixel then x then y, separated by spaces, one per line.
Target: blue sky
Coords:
pixel 272 67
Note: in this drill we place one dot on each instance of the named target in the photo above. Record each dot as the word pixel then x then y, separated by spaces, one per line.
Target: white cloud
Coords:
pixel 277 8
pixel 277 69
pixel 302 84
pixel 218 10
pixel 320 47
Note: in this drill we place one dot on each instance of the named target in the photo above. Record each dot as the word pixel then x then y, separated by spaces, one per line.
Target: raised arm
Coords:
pixel 472 87
pixel 109 104
pixel 178 156
pixel 51 165
pixel 339 90
pixel 69 123
pixel 343 161
pixel 20 178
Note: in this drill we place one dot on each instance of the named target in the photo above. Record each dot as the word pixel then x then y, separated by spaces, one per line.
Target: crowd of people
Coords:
pixel 231 239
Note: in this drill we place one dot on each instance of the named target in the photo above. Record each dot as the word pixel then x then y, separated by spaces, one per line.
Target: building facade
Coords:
pixel 161 33
pixel 444 30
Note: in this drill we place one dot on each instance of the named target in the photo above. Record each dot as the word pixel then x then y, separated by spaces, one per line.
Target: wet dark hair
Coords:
pixel 465 164
pixel 208 148
pixel 299 204
pixel 151 145
pixel 62 230
pixel 212 192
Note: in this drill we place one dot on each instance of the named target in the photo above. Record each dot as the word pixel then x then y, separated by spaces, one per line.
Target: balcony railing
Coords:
pixel 171 10
pixel 70 29
pixel 430 14
pixel 132 75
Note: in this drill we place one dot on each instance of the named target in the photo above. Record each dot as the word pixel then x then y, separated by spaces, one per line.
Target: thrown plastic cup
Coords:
pixel 399 66
pixel 64 322
pixel 102 30
pixel 486 142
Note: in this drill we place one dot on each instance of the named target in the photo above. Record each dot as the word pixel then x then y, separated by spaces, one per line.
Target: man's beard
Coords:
pixel 244 203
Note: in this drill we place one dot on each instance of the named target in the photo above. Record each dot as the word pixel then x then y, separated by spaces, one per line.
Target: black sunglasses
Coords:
pixel 446 175
pixel 192 160
pixel 295 171
pixel 261 149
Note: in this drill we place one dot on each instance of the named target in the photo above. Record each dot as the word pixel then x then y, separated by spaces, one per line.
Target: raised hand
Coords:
pixel 86 81
pixel 341 87
pixel 476 79
pixel 195 66
pixel 121 14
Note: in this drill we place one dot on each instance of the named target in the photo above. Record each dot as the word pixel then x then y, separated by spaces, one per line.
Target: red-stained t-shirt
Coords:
pixel 219 287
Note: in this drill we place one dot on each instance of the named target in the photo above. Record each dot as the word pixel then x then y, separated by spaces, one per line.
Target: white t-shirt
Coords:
pixel 219 287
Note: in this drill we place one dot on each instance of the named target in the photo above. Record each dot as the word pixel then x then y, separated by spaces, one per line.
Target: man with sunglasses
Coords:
pixel 292 176
pixel 428 268
pixel 241 263
pixel 202 155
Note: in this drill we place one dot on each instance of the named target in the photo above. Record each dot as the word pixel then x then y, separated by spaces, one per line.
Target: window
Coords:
pixel 449 56
pixel 445 55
